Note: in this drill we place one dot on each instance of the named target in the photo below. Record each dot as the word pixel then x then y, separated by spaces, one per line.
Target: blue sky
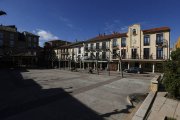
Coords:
pixel 83 19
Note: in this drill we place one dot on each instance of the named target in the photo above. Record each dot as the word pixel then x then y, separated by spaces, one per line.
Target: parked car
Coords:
pixel 134 70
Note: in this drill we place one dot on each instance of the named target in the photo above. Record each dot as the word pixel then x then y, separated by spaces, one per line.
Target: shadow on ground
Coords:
pixel 24 99
pixel 126 111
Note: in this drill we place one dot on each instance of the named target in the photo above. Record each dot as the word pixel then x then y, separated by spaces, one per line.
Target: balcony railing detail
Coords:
pixel 94 48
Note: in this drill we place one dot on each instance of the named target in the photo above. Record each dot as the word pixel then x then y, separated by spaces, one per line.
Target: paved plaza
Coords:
pixel 63 95
pixel 164 107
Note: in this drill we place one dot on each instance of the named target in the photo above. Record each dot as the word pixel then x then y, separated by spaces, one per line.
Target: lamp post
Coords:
pixel 120 61
pixel 108 59
pixel 59 63
pixel 69 62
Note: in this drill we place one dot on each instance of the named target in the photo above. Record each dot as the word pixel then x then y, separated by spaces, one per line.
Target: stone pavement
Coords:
pixel 163 107
pixel 58 94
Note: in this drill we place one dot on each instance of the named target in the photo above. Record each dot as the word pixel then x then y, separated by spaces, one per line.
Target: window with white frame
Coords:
pixel 134 32
pixel 146 40
pixel 159 39
pixel 123 42
pixel 114 42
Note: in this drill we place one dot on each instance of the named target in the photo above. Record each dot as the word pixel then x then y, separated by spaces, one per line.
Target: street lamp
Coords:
pixel 108 59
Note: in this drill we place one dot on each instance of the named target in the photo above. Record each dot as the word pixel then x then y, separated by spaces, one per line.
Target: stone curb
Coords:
pixel 145 107
pixel 142 112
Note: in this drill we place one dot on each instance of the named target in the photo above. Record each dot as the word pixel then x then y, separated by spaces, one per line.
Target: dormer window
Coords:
pixel 134 32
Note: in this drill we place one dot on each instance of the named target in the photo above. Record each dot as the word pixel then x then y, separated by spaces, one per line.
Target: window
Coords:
pixel 1 35
pixel 11 36
pixel 29 42
pixel 123 42
pixel 35 40
pixel 34 53
pixel 1 39
pixel 11 42
pixel 146 40
pixel 35 45
pixel 114 42
pixel 103 45
pixel 159 39
pixel 97 46
pixel 114 54
pixel 103 55
pixel 146 53
pixel 86 47
pixel 91 56
pixel 134 32
pixel 159 53
pixel 29 45
pixel 79 50
pixel 97 55
pixel 85 54
pixel 29 39
pixel 92 46
pixel 123 53
pixel 134 54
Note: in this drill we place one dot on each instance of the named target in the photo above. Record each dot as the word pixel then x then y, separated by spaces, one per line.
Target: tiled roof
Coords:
pixel 59 41
pixel 107 37
pixel 65 46
pixel 155 30
pixel 76 44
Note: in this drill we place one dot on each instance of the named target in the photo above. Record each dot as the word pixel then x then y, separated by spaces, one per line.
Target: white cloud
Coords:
pixel 44 36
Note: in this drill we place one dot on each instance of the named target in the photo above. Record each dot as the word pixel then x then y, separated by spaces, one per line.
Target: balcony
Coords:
pixel 114 57
pixel 86 48
pixel 104 48
pixel 95 48
pixel 115 46
pixel 159 42
pixel 65 52
pixel 89 58
pixel 144 58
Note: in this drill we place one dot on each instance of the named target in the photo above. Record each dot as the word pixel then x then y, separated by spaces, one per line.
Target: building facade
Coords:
pixel 147 49
pixel 17 49
pixel 70 55
pixel 51 53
